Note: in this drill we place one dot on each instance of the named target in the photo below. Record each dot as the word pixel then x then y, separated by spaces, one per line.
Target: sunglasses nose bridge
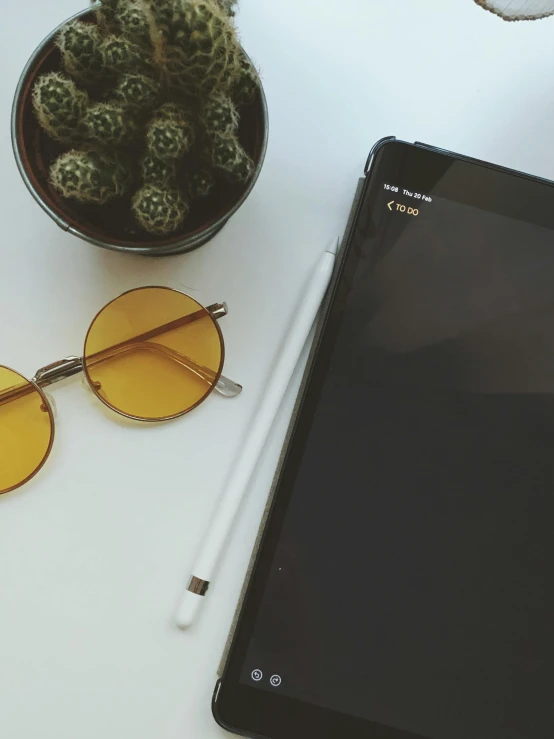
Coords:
pixel 58 371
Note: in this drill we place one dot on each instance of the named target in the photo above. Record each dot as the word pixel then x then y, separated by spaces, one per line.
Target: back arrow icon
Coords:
pixel 389 204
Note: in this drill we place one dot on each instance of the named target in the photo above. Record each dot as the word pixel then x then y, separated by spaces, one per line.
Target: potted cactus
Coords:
pixel 141 125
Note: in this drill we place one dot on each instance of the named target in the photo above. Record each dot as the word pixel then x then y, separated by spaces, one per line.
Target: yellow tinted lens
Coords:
pixel 153 353
pixel 26 430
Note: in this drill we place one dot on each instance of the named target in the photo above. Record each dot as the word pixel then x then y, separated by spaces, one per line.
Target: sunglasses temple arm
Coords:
pixel 217 311
pixel 70 366
pixel 228 388
pixel 224 386
pixel 74 365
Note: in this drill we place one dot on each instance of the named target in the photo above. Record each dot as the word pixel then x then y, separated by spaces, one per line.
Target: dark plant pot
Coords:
pixel 111 226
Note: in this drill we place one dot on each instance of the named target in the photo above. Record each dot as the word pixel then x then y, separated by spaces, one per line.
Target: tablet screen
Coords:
pixel 412 581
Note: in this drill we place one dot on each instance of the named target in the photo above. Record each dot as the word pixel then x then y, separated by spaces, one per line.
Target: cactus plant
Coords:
pixel 59 106
pixel 80 46
pixel 201 54
pixel 107 124
pixel 228 6
pixel 220 115
pixel 200 183
pixel 137 91
pixel 159 210
pixel 89 177
pixel 123 54
pixel 133 21
pixel 246 81
pixel 156 82
pixel 156 171
pixel 170 133
pixel 160 18
pixel 228 155
pixel 105 14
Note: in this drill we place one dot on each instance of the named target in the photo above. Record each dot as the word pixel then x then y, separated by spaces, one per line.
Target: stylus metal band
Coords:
pixel 198 586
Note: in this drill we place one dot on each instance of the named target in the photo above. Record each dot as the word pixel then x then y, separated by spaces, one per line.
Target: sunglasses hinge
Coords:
pixel 57 371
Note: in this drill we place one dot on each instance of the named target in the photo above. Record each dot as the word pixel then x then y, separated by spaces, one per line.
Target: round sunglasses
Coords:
pixel 152 354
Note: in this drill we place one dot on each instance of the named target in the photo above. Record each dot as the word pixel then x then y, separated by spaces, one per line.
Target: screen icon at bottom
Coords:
pixel 257 675
pixel 275 680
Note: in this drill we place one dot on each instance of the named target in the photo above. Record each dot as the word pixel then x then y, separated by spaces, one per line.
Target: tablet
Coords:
pixel 404 584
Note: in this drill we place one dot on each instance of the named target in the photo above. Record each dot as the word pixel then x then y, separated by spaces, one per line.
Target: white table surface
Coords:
pixel 95 551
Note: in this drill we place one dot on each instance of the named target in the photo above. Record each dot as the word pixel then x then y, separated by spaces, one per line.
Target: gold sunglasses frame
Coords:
pixel 73 365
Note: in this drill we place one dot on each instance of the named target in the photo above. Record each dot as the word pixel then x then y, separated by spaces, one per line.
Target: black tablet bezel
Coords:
pixel 260 713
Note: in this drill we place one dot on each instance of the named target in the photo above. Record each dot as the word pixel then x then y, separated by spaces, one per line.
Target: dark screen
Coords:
pixel 412 583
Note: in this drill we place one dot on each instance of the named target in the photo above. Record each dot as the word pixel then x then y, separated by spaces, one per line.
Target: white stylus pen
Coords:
pixel 256 436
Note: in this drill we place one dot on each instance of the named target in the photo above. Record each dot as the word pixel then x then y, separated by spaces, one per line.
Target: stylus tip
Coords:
pixel 188 609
